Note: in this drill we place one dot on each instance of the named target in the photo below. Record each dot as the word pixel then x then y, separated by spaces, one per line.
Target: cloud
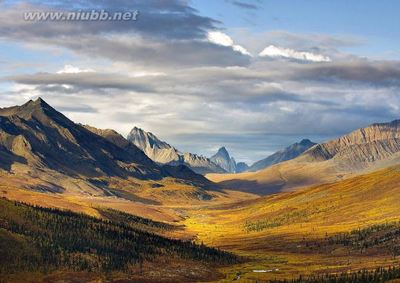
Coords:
pixel 377 73
pixel 171 19
pixel 84 80
pixel 69 69
pixel 244 5
pixel 308 42
pixel 175 67
pixel 274 52
pixel 223 39
pixel 168 33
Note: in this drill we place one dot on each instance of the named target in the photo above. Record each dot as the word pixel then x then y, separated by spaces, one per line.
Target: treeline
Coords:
pixel 45 239
pixel 379 275
pixel 384 236
pixel 136 222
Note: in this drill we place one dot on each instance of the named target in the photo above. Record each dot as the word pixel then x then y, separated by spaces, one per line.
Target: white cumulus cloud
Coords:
pixel 223 39
pixel 274 51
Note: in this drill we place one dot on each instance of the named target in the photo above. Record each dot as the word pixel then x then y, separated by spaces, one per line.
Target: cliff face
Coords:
pixel 361 147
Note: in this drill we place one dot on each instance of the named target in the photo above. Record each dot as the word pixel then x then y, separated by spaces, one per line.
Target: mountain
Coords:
pixel 157 150
pixel 360 148
pixel 42 149
pixel 37 135
pixel 228 163
pixel 374 147
pixel 241 167
pixel 288 153
pixel 163 153
pixel 224 160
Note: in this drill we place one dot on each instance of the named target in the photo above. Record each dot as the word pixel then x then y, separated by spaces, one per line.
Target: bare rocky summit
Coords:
pixel 224 160
pixel 163 153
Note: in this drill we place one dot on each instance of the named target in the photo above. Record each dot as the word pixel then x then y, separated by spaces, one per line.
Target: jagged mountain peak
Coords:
pixel 40 110
pixel 224 152
pixel 224 160
pixel 163 153
pixel 144 139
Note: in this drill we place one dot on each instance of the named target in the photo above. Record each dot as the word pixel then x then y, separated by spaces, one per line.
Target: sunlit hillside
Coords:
pixel 297 232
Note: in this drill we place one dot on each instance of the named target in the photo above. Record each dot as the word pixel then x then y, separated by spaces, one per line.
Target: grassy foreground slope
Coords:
pixel 37 242
pixel 343 226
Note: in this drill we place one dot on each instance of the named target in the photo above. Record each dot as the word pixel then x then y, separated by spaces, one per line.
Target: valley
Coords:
pixel 329 210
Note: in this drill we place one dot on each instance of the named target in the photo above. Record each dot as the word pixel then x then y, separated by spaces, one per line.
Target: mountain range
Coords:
pixel 370 148
pixel 45 150
pixel 163 153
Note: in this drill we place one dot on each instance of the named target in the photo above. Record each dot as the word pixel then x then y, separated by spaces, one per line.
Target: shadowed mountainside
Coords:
pixel 43 149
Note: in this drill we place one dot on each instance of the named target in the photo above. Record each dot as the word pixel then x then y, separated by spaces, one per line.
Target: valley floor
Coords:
pixel 347 226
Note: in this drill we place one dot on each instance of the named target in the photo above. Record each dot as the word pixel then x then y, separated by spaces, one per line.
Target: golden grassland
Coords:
pixel 285 176
pixel 273 231
pixel 283 234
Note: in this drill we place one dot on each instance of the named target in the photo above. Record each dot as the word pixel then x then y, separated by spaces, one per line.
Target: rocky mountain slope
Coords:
pixel 370 148
pixel 43 149
pixel 37 135
pixel 287 153
pixel 360 148
pixel 163 153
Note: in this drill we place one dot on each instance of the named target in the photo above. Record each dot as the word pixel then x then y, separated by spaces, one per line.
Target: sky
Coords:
pixel 254 76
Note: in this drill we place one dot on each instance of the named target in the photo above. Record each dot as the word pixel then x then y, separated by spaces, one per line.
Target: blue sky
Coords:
pixel 254 76
pixel 375 23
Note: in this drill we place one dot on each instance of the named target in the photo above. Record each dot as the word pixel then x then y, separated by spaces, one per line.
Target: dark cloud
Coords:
pixel 362 71
pixel 168 19
pixel 244 5
pixel 80 80
pixel 168 34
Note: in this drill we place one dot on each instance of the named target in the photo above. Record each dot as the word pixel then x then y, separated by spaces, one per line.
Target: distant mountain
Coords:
pixel 241 167
pixel 41 145
pixel 288 153
pixel 163 153
pixel 224 160
pixel 374 147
